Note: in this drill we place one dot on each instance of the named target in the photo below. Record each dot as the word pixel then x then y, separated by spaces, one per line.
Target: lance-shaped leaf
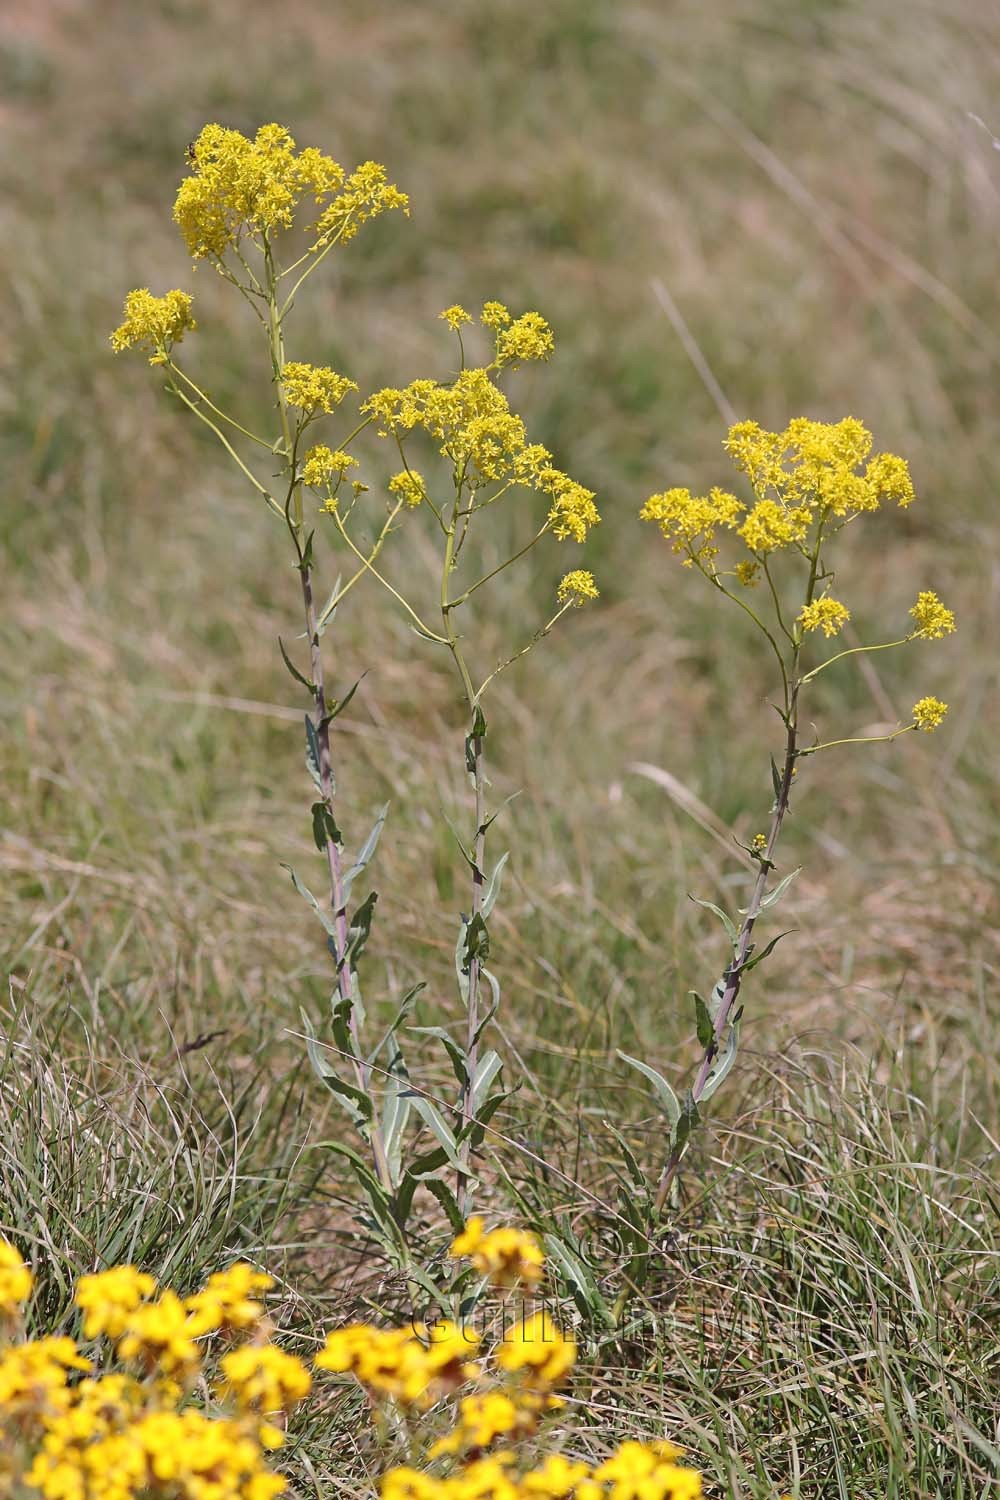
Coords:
pixel 396 1104
pixel 461 973
pixel 312 757
pixel 433 1118
pixel 326 917
pixel 703 1022
pixel 459 1062
pixel 779 889
pixel 494 985
pixel 477 1129
pixel 759 958
pixel 355 1102
pixel 364 855
pixel 341 703
pixel 725 1060
pixel 488 1068
pixel 448 1202
pixel 477 942
pixel 324 826
pixel 665 1094
pixel 360 929
pixel 329 610
pixel 492 890
pixel 689 1118
pixel 723 918
pixel 405 1007
pixel 477 733
pixel 305 681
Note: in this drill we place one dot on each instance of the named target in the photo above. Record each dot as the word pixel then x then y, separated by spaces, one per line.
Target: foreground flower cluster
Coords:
pixel 170 1398
pixel 115 1416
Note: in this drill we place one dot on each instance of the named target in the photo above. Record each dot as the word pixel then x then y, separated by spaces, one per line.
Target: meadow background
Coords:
pixel 808 184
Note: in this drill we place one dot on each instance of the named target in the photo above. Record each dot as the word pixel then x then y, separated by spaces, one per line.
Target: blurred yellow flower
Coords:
pixel 928 713
pixel 828 615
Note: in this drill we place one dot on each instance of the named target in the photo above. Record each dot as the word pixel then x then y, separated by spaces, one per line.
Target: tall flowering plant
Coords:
pixel 235 210
pixel 773 557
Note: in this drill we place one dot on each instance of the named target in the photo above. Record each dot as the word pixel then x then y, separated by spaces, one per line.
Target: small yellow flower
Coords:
pixel 414 1365
pixel 638 1471
pixel 556 1479
pixel 325 466
pixel 504 1255
pixel 771 526
pixel 828 615
pixel 153 322
pixel 577 587
pixel 107 1299
pixel 527 337
pixel 928 713
pixel 748 573
pixel 495 315
pixel 759 843
pixel 482 1418
pixel 262 1378
pixel 409 486
pixel 366 194
pixel 455 316
pixel 932 619
pixel 16 1280
pixel 228 1301
pixel 161 1336
pixel 314 388
pixel 690 521
pixel 537 1351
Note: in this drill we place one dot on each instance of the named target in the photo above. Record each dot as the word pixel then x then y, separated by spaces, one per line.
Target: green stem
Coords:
pixel 333 855
pixel 861 739
pixel 466 1102
pixel 194 407
pixel 854 651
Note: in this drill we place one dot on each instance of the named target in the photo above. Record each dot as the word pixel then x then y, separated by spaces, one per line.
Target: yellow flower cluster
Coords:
pixel 691 521
pixel 533 1359
pixel 517 339
pixel 828 615
pixel 801 478
pixel 137 1433
pixel 16 1280
pixel 527 337
pixel 109 1298
pixel 455 316
pixel 815 464
pixel 153 322
pixel 324 466
pixel 504 1255
pixel 471 421
pixel 409 486
pixel 928 713
pixel 576 587
pixel 536 1351
pixel 240 186
pixel 413 1365
pixel 932 619
pixel 314 388
pixel 366 194
pixel 635 1471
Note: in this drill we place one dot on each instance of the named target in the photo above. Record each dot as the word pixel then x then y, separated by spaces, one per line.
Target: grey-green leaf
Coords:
pixel 724 1063
pixel 723 918
pixel 364 854
pixel 703 1022
pixel 492 890
pixel 665 1093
